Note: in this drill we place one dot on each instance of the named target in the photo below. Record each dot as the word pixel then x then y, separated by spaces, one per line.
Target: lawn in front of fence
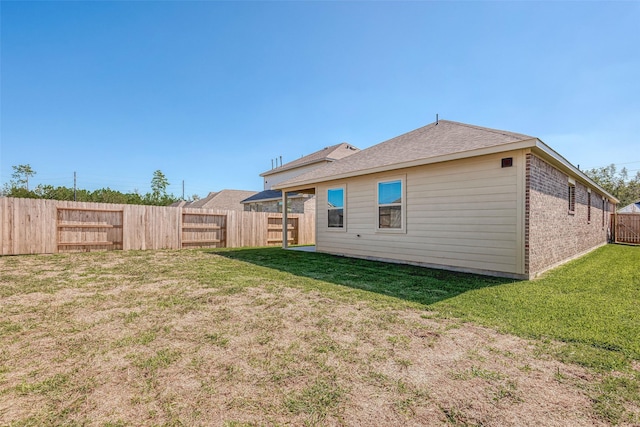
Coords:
pixel 267 336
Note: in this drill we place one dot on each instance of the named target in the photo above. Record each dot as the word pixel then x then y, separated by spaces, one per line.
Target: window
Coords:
pixel 589 207
pixel 335 207
pixel 279 206
pixel 572 198
pixel 253 207
pixel 390 205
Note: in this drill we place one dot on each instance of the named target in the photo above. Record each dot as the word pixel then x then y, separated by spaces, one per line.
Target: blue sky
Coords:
pixel 210 92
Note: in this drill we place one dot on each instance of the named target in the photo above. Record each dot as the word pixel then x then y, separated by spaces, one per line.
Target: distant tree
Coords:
pixel 617 183
pixel 159 184
pixel 195 197
pixel 20 192
pixel 631 191
pixel 21 175
pixel 18 187
pixel 55 193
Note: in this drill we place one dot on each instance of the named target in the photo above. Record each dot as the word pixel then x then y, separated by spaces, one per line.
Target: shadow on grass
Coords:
pixel 411 283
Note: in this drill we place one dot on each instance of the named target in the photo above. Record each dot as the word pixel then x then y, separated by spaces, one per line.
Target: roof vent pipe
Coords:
pixel 280 161
pixel 436 118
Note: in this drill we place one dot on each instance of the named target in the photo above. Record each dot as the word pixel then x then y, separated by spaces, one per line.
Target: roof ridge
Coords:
pixel 317 156
pixel 427 142
pixel 496 131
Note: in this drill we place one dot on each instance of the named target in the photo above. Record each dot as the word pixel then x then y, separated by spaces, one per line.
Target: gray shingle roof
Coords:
pixel 201 202
pixel 264 195
pixel 269 195
pixel 224 199
pixel 632 208
pixel 331 153
pixel 434 140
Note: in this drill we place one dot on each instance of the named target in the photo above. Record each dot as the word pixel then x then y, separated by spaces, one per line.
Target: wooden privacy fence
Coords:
pixel 35 226
pixel 626 228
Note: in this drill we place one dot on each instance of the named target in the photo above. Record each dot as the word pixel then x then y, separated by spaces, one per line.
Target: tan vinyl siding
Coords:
pixel 276 178
pixel 466 214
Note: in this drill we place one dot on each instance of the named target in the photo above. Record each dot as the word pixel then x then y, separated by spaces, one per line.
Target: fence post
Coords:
pixel 285 226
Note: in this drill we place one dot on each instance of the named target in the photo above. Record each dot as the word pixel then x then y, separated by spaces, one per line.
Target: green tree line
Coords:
pixel 18 186
pixel 617 183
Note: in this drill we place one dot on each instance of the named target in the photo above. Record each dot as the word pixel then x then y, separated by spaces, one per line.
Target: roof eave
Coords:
pixel 527 143
pixel 561 161
pixel 299 165
pixel 272 199
pixel 534 143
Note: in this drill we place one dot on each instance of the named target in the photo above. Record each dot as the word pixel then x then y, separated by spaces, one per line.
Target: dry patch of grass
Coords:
pixel 192 338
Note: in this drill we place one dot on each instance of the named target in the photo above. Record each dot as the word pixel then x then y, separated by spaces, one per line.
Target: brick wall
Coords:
pixel 552 234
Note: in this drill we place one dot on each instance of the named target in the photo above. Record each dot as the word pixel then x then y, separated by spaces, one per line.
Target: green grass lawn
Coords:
pixel 584 312
pixel 591 302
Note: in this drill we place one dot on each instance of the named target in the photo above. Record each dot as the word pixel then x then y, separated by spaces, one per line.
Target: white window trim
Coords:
pixel 344 209
pixel 403 206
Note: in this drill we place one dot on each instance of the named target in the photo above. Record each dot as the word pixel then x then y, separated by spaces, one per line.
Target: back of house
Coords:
pixel 460 197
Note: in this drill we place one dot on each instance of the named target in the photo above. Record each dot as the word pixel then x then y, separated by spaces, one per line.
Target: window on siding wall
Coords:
pixel 335 207
pixel 589 207
pixel 390 204
pixel 572 198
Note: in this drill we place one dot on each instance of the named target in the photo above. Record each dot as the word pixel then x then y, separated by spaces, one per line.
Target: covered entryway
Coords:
pixel 285 220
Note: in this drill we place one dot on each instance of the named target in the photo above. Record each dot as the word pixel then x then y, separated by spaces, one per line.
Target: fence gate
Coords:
pixel 274 231
pixel 203 230
pixel 83 229
pixel 626 228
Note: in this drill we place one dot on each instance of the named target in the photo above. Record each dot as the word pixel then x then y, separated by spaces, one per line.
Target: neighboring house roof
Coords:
pixel 224 199
pixel 327 154
pixel 200 202
pixel 266 195
pixel 436 142
pixel 632 208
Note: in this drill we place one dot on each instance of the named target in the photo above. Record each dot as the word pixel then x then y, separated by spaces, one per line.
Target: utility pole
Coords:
pixel 183 189
pixel 74 186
